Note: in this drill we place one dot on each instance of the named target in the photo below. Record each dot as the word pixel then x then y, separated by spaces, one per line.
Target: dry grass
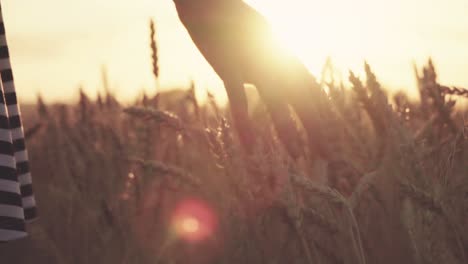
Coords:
pixel 109 177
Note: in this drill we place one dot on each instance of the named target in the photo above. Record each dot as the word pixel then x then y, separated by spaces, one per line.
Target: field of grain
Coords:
pixel 164 180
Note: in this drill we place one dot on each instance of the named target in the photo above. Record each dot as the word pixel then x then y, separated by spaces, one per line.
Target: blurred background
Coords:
pixel 59 45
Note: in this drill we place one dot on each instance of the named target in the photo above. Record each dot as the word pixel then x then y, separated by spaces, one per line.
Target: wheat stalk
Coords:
pixel 160 116
pixel 154 52
pixel 426 201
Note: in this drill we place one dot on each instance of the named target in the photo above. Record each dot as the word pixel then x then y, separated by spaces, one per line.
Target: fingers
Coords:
pixel 240 115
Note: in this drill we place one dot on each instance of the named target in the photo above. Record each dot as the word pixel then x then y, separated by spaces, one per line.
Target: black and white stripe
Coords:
pixel 17 203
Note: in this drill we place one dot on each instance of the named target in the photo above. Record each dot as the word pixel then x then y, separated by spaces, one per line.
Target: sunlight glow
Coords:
pixel 315 30
pixel 63 51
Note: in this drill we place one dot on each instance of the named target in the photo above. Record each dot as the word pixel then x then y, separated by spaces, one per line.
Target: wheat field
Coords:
pixel 110 178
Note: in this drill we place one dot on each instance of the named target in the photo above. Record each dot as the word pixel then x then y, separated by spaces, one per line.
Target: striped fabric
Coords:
pixel 17 204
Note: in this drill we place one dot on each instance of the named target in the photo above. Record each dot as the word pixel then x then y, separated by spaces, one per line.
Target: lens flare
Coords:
pixel 193 220
pixel 190 225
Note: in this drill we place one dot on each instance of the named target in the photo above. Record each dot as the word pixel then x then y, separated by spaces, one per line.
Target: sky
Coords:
pixel 59 45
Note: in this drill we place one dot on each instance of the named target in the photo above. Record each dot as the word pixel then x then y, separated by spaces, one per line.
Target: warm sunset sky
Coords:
pixel 58 44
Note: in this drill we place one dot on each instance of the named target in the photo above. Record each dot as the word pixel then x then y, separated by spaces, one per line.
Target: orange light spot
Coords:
pixel 193 220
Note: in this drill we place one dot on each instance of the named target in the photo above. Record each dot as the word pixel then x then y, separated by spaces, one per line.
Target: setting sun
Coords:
pixel 346 31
